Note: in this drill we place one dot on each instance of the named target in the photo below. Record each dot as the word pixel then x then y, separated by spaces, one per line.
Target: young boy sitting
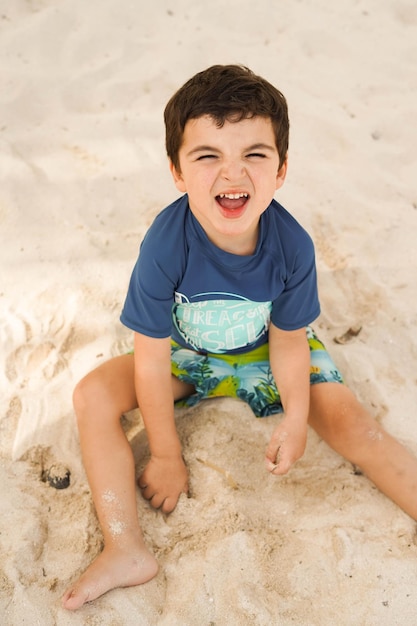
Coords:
pixel 220 301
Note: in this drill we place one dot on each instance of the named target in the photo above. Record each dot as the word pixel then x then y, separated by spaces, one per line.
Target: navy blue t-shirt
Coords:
pixel 210 300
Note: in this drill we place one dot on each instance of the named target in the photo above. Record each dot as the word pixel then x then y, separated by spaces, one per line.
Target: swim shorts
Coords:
pixel 246 376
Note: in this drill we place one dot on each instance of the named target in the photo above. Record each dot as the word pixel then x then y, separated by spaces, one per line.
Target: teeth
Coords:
pixel 233 196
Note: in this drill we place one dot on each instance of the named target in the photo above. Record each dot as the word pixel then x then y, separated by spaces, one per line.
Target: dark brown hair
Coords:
pixel 225 93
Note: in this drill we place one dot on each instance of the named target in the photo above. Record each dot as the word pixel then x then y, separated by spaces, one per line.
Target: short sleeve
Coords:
pixel 150 297
pixel 298 304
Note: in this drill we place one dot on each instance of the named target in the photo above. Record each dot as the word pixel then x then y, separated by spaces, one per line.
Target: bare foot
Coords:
pixel 111 569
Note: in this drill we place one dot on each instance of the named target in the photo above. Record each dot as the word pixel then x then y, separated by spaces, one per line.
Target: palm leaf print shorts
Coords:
pixel 246 375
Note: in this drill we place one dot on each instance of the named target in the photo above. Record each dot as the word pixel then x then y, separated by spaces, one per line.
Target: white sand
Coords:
pixel 83 173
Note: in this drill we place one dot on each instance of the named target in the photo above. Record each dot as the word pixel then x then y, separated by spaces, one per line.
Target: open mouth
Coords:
pixel 232 201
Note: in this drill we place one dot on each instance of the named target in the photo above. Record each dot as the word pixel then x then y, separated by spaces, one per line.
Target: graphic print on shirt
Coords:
pixel 220 324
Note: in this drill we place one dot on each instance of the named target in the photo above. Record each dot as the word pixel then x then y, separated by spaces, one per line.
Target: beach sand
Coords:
pixel 83 173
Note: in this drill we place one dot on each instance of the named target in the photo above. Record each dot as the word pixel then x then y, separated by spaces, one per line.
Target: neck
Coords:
pixel 240 247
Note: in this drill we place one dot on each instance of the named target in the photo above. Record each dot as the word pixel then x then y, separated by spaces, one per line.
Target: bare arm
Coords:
pixel 165 477
pixel 289 355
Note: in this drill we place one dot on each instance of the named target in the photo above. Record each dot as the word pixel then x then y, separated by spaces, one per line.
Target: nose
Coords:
pixel 233 170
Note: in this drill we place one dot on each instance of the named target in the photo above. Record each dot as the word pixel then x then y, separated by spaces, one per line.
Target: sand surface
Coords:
pixel 83 173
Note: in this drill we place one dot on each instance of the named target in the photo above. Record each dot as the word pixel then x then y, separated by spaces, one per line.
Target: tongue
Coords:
pixel 229 204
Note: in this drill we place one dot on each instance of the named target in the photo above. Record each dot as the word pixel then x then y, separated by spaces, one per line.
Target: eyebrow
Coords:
pixel 255 146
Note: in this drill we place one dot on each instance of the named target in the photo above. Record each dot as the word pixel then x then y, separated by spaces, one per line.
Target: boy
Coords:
pixel 220 300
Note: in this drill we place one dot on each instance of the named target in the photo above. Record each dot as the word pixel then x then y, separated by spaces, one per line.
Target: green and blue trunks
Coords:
pixel 246 375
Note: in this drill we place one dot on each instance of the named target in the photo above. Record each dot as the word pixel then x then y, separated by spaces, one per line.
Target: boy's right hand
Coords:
pixel 163 481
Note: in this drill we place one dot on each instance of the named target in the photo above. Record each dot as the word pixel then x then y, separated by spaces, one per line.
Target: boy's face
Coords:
pixel 230 175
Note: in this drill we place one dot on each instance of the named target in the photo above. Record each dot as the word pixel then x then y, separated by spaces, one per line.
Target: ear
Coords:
pixel 177 176
pixel 281 174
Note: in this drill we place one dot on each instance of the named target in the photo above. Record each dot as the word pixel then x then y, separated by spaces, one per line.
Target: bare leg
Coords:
pixel 338 417
pixel 99 401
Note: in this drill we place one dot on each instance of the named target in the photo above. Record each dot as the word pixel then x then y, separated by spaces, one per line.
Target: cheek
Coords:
pixel 202 181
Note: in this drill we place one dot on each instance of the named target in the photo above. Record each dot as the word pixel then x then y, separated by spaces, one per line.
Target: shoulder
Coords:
pixel 284 235
pixel 167 236
pixel 169 222
pixel 284 224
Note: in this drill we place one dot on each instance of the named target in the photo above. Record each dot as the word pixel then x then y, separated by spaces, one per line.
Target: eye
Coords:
pixel 204 157
pixel 256 155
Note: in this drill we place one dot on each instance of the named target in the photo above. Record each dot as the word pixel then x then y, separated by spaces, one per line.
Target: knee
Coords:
pixel 347 427
pixel 80 396
pixel 349 431
pixel 88 394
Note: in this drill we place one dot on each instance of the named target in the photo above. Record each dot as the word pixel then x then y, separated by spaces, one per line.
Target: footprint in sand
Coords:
pixel 37 351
